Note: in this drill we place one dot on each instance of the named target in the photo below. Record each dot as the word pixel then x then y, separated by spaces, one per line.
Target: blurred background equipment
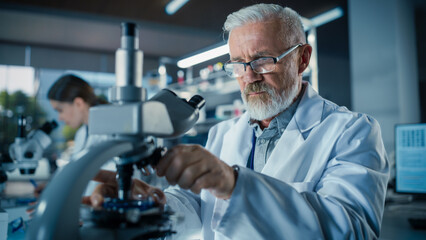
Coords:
pixel 26 151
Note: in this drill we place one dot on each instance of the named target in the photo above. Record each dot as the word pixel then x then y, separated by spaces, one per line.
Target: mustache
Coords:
pixel 256 87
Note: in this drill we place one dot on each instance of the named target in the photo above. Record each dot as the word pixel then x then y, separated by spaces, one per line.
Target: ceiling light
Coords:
pixel 204 56
pixel 327 17
pixel 162 70
pixel 174 5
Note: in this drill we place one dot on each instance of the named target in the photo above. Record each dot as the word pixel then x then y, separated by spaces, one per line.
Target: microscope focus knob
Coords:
pixel 3 176
pixel 27 171
pixel 28 155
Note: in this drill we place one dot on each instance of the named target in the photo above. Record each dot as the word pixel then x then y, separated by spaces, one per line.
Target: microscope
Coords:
pixel 130 124
pixel 26 151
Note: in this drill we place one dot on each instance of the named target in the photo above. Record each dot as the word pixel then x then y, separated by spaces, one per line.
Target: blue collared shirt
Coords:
pixel 267 139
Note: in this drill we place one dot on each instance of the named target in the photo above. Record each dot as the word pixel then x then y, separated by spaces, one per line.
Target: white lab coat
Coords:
pixel 83 140
pixel 325 179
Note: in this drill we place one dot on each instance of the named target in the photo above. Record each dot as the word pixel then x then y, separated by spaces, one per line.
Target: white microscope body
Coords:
pixel 27 151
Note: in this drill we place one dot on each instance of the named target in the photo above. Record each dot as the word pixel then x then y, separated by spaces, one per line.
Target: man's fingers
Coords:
pixel 165 161
pixel 177 160
pixel 139 187
pixel 158 196
pixel 39 189
pixel 193 167
pixel 180 166
pixel 86 200
pixel 97 197
pixel 105 176
pixel 203 182
pixel 178 155
pixel 96 200
pixel 141 190
pixel 221 184
pixel 191 174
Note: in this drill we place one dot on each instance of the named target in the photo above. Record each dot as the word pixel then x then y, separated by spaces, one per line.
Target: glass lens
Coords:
pixel 234 69
pixel 263 65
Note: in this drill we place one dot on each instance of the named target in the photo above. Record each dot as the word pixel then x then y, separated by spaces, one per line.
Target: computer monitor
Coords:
pixel 410 158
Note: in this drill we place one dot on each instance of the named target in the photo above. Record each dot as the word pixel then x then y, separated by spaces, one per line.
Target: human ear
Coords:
pixel 305 57
pixel 79 102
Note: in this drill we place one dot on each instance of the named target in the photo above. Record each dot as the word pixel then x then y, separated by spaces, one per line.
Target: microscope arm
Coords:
pixel 58 210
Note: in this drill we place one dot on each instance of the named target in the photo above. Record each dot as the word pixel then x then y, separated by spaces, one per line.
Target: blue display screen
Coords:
pixel 410 158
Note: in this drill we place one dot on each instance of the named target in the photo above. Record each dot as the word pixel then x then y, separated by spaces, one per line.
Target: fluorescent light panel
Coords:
pixel 204 56
pixel 173 6
pixel 327 17
pixel 224 49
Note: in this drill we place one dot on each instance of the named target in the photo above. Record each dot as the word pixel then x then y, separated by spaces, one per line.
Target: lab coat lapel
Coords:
pixel 236 148
pixel 287 159
pixel 237 143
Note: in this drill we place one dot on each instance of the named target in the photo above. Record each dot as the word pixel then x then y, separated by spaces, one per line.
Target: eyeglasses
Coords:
pixel 261 65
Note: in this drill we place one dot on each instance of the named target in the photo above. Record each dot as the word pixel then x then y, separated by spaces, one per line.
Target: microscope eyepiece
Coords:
pixel 197 101
pixel 27 171
pixel 22 122
pixel 128 29
pixel 49 126
pixel 3 176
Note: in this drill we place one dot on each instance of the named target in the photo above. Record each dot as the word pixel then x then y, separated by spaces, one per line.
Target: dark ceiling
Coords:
pixel 200 14
pixel 94 24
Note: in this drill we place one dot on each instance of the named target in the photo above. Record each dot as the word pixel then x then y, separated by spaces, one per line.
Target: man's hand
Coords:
pixel 37 190
pixel 109 188
pixel 193 167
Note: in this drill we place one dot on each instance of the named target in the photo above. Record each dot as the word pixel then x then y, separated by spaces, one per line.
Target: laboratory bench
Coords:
pixel 395 224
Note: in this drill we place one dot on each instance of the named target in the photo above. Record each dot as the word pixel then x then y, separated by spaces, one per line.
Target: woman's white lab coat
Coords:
pixel 82 140
pixel 325 179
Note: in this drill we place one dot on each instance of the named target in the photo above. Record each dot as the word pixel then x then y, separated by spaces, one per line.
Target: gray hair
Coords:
pixel 292 27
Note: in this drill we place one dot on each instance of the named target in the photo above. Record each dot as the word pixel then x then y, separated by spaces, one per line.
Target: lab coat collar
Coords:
pixel 285 156
pixel 310 110
pixel 236 144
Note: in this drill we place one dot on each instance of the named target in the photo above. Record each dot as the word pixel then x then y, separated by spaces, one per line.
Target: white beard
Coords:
pixel 260 110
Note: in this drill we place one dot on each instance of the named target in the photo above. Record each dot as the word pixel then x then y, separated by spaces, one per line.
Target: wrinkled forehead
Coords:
pixel 267 30
pixel 253 38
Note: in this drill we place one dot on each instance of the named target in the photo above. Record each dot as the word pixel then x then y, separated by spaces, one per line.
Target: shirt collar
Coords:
pixel 282 120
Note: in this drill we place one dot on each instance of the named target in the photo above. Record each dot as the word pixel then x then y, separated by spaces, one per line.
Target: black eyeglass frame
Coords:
pixel 276 59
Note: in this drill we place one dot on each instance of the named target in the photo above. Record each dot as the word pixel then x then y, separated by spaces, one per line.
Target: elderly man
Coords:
pixel 294 166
